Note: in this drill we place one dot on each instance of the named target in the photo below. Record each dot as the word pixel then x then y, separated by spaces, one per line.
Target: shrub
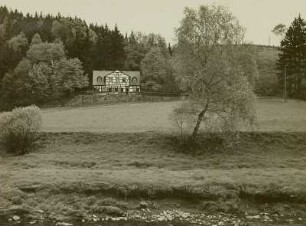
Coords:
pixel 217 132
pixel 182 119
pixel 19 129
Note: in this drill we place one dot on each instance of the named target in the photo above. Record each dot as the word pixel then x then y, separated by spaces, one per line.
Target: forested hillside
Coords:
pixel 92 46
pixel 80 40
pixel 35 47
pixel 267 83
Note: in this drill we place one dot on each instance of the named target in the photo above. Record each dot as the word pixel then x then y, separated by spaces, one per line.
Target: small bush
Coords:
pixel 19 129
pixel 217 132
pixel 182 118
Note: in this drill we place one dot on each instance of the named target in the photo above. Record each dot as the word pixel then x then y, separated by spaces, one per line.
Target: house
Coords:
pixel 116 81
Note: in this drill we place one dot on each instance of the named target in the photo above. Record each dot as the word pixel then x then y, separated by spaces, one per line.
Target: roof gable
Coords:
pixel 102 74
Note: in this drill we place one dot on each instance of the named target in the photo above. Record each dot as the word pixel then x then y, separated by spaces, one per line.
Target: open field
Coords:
pixel 114 158
pixel 73 176
pixel 273 115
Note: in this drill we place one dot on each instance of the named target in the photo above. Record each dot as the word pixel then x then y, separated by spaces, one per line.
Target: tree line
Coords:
pixel 292 57
pixel 44 57
pixel 58 46
pixel 49 56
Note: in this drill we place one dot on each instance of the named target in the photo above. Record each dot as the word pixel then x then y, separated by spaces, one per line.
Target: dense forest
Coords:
pixel 34 44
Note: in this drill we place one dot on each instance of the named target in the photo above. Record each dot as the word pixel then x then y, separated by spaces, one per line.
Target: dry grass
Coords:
pixel 87 162
pixel 273 115
pixel 78 171
pixel 131 117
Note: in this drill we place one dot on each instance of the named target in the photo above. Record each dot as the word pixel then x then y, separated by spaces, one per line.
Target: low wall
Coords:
pixel 83 100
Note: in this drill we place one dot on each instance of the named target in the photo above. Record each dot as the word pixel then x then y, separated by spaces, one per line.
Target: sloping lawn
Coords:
pixel 272 114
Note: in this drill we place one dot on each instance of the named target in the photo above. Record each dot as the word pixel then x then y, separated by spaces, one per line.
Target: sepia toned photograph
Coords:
pixel 152 112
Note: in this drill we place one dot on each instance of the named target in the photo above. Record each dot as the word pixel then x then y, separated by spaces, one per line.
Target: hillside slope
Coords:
pixel 267 84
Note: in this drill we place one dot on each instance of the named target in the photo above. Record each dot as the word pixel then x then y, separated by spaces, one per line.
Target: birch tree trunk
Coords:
pixel 197 126
pixel 199 120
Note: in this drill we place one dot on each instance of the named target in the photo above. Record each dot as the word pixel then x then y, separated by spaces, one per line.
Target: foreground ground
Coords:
pixel 138 175
pixel 84 176
pixel 272 114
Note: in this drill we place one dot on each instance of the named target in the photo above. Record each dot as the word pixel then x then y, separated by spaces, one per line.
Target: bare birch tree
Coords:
pixel 209 67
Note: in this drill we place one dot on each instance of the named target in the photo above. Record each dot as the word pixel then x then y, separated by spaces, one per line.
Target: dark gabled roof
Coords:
pixel 96 74
pixel 133 74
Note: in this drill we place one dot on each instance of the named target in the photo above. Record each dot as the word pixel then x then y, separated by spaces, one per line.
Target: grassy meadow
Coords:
pixel 92 157
pixel 272 115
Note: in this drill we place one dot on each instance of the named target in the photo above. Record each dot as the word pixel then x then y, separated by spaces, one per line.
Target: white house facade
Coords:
pixel 116 81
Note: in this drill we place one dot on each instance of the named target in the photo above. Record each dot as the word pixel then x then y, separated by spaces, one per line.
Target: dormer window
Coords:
pixel 99 79
pixel 134 80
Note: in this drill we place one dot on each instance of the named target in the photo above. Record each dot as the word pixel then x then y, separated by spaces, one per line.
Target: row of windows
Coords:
pixel 118 89
pixel 116 79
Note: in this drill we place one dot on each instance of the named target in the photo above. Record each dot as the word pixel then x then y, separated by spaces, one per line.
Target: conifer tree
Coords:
pixel 293 56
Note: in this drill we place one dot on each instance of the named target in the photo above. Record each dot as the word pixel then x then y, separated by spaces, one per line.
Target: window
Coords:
pixel 134 80
pixel 124 80
pixel 99 79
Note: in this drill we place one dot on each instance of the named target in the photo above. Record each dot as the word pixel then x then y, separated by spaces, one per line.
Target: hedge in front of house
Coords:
pixel 19 129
